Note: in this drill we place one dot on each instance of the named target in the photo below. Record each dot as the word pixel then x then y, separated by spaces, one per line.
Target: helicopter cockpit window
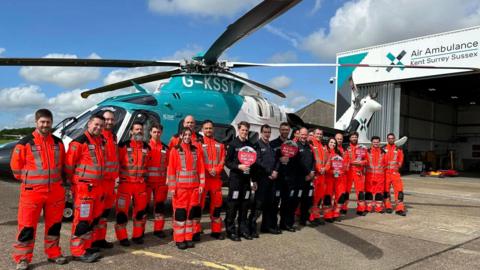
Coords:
pixel 142 100
pixel 78 127
pixel 222 133
pixel 147 118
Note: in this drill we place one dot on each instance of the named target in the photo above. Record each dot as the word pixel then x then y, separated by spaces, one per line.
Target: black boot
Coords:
pixel 196 237
pixel 181 245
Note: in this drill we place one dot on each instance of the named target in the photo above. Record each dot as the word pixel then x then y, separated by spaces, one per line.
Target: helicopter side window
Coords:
pixel 78 127
pixel 147 118
pixel 272 114
pixel 259 107
pixel 142 100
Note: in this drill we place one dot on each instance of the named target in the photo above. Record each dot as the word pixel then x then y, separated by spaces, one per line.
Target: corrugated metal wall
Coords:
pixel 388 118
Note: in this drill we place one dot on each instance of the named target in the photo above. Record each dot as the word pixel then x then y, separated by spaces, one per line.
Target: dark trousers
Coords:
pixel 292 195
pixel 239 193
pixel 263 205
pixel 305 197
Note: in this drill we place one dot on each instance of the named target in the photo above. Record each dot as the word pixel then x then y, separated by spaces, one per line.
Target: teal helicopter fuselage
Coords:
pixel 219 98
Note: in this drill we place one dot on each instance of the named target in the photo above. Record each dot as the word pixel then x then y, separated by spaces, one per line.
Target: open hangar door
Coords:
pixel 441 117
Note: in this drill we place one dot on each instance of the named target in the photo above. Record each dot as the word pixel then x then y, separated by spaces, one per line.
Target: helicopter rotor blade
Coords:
pixel 257 84
pixel 76 62
pixel 132 82
pixel 260 15
pixel 247 64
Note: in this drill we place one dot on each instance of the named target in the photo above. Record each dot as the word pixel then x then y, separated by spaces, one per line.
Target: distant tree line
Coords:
pixel 15 131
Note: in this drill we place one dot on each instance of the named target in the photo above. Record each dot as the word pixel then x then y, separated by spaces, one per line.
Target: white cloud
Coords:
pixel 290 37
pixel 2 50
pixel 66 77
pixel 286 108
pixel 204 8
pixel 299 101
pixel 284 57
pixel 280 82
pixel 21 97
pixel 366 22
pixel 316 7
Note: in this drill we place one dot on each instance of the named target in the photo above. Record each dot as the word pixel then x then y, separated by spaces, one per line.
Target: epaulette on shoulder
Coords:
pixel 125 143
pixel 26 140
pixel 145 145
pixel 193 147
pixel 56 140
pixel 165 146
pixel 81 139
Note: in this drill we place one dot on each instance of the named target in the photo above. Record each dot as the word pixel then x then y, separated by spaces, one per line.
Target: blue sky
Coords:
pixel 313 31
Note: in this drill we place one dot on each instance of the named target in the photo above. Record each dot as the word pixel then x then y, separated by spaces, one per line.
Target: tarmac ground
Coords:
pixel 441 231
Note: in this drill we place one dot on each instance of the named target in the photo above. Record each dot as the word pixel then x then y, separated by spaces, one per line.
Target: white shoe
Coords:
pixel 22 265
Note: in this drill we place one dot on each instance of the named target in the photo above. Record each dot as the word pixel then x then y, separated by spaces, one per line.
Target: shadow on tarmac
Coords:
pixel 369 250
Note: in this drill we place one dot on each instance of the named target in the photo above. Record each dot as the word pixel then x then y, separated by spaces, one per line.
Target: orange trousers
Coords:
pixel 394 179
pixel 32 201
pixel 160 193
pixel 88 210
pixel 125 194
pixel 186 213
pixel 356 178
pixel 108 191
pixel 319 187
pixel 213 186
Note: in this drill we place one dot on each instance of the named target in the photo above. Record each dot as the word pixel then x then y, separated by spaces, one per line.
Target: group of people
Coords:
pixel 313 184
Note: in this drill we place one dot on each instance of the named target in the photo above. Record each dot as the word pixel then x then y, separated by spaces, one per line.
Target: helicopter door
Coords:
pixel 147 118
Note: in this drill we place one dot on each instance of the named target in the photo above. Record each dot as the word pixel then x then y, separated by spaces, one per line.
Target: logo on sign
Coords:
pixel 395 60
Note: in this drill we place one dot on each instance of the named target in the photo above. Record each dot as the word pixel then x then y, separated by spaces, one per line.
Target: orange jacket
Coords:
pixel 354 153
pixel 85 161
pixel 38 160
pixel 393 158
pixel 336 164
pixel 375 162
pixel 133 156
pixel 321 155
pixel 185 167
pixel 213 156
pixel 158 162
pixel 111 155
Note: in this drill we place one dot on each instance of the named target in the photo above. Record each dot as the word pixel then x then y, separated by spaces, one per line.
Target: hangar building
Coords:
pixel 438 109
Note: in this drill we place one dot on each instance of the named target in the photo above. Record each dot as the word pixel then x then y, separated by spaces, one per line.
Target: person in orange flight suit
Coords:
pixel 214 160
pixel 188 122
pixel 321 158
pixel 336 169
pixel 186 182
pixel 37 161
pixel 157 177
pixel 394 161
pixel 375 178
pixel 357 156
pixel 85 167
pixel 134 155
pixel 110 176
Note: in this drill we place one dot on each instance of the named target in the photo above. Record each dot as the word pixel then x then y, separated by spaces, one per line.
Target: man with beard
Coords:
pixel 134 155
pixel 280 185
pixel 37 160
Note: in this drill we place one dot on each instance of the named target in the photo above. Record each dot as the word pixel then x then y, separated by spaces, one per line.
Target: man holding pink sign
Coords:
pixel 240 159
